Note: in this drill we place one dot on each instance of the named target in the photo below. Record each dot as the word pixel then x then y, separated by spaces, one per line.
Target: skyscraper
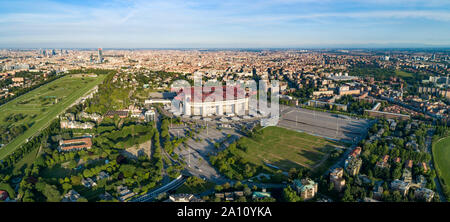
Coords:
pixel 100 55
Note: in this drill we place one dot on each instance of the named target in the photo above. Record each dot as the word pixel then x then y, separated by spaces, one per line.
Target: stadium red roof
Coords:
pixel 208 93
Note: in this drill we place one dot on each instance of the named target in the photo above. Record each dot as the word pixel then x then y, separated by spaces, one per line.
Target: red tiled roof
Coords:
pixel 76 144
pixel 207 93
pixel 3 195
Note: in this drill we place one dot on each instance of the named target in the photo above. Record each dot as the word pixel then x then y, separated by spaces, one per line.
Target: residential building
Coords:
pixel 3 195
pixel 184 198
pixel 75 144
pixel 337 180
pixel 353 165
pixel 306 188
pixel 401 186
pixel 67 124
pixel 71 196
pixel 206 101
pixel 88 182
pixel 120 113
pixel 424 194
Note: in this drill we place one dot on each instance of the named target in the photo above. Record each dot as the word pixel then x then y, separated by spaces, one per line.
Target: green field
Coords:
pixel 40 106
pixel 441 155
pixel 286 148
pixel 25 162
pixel 403 73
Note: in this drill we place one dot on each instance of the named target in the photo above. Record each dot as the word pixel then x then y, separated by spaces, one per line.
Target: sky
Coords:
pixel 224 23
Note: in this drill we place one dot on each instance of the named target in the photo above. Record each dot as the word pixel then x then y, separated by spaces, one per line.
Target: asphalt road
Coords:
pixel 428 143
pixel 173 185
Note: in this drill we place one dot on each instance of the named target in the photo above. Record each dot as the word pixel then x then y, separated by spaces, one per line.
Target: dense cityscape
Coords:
pixel 224 110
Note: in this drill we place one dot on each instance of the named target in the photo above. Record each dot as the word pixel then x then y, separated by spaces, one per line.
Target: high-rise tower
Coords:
pixel 100 55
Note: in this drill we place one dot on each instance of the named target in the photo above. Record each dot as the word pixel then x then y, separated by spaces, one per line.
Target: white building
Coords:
pixel 207 101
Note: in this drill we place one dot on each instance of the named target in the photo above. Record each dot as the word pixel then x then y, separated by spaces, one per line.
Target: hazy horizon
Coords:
pixel 225 24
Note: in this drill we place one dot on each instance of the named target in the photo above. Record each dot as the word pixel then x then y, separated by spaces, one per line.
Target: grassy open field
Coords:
pixel 286 149
pixel 40 106
pixel 26 161
pixel 441 155
pixel 403 73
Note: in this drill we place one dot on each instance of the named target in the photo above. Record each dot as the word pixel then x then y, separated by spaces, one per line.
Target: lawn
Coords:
pixel 56 171
pixel 26 161
pixel 441 154
pixel 286 149
pixel 42 105
pixel 403 73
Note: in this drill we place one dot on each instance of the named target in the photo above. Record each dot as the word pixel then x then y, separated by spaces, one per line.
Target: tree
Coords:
pixel 66 186
pixel 218 188
pixel 347 195
pixel 28 196
pixel 226 186
pixel 72 164
pixel 290 195
pixel 82 199
pixel 247 191
pixel 238 185
pixel 127 170
pixel 331 187
pixel 49 191
pixel 75 180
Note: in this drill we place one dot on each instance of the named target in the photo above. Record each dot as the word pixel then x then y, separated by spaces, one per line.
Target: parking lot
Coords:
pixel 197 151
pixel 332 126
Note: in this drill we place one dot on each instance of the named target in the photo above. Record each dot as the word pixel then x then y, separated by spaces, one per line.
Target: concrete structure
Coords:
pixel 401 186
pixel 316 103
pixel 71 196
pixel 184 198
pixel 93 116
pixel 323 93
pixel 100 55
pixel 424 194
pixel 66 124
pixel 353 165
pixel 158 101
pixel 120 113
pixel 349 92
pixel 386 115
pixel 306 188
pixel 150 115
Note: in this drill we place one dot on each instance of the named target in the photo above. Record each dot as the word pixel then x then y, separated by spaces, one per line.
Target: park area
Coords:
pixel 441 152
pixel 286 149
pixel 28 114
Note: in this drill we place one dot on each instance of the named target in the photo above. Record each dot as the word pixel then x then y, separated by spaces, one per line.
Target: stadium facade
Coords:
pixel 212 100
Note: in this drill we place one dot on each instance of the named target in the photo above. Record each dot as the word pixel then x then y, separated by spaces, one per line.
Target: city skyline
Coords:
pixel 230 24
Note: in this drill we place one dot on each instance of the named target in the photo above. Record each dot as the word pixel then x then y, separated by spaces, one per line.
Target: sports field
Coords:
pixel 40 106
pixel 401 73
pixel 441 154
pixel 286 149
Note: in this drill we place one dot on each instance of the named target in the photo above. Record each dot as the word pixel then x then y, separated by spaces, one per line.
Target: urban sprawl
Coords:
pixel 354 125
